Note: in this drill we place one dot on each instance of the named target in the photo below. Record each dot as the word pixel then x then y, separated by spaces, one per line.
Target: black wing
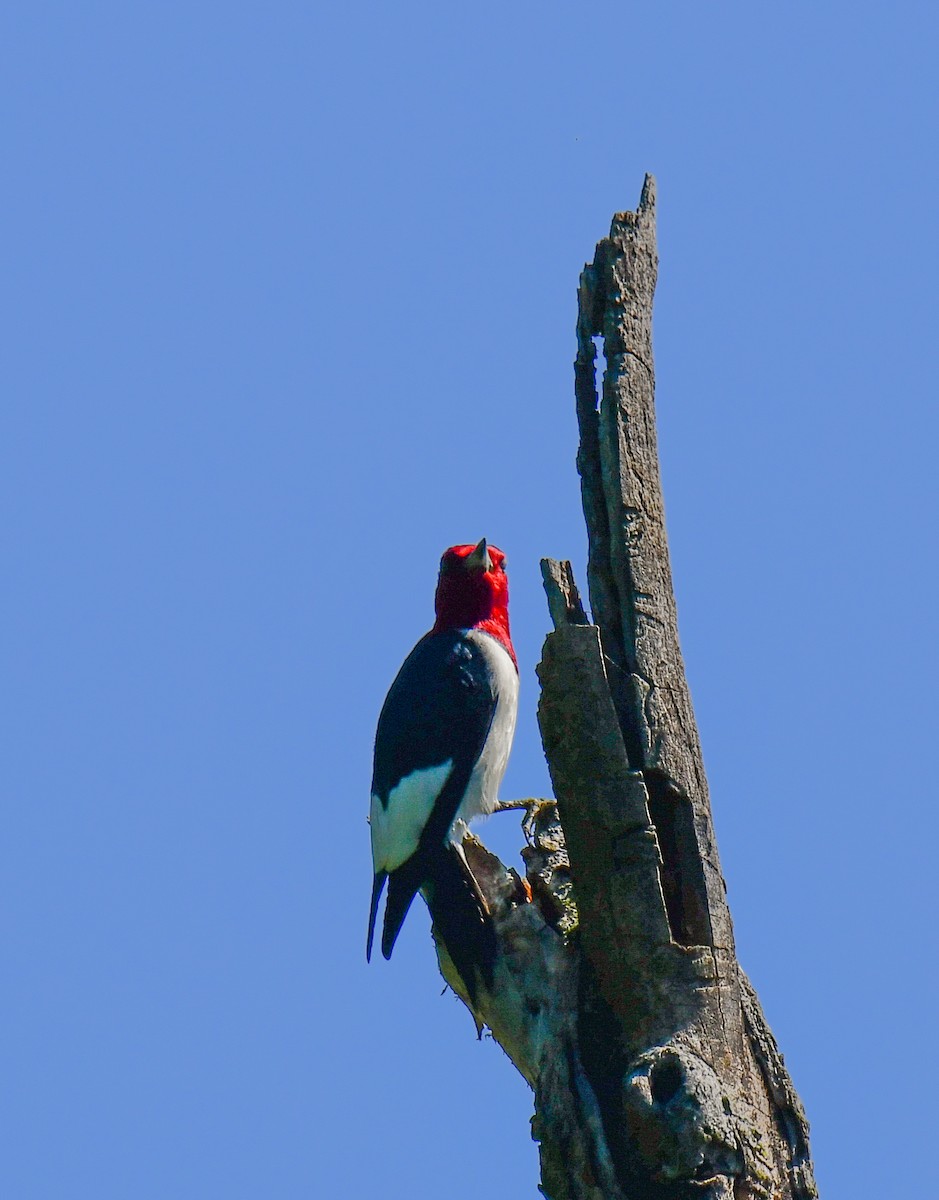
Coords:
pixel 439 709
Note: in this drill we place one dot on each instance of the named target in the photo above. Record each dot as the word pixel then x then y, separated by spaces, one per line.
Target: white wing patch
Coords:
pixel 397 829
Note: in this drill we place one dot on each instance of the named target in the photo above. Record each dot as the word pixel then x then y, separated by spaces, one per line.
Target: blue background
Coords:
pixel 289 299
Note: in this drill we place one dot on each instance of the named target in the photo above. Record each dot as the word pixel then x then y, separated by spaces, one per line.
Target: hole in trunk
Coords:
pixel 599 366
pixel 682 874
pixel 665 1078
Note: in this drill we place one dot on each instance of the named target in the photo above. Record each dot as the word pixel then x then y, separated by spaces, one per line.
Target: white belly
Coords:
pixel 482 795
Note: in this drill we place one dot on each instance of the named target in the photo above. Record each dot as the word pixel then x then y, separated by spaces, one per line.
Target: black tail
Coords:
pixel 403 885
pixel 376 896
pixel 457 907
pixel 461 919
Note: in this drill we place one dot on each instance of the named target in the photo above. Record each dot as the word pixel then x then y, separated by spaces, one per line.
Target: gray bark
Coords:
pixel 617 991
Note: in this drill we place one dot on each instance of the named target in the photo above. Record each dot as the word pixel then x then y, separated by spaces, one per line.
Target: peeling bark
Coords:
pixel 617 992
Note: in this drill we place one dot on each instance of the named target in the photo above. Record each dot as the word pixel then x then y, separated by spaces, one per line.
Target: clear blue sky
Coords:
pixel 289 297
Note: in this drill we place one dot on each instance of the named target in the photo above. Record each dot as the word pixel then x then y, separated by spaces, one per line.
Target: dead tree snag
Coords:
pixel 617 991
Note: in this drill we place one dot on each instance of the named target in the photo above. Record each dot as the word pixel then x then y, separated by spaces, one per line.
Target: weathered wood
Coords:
pixel 659 721
pixel 532 1007
pixel 616 990
pixel 564 602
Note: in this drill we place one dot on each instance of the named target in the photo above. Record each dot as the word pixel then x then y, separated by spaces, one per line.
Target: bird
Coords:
pixel 441 749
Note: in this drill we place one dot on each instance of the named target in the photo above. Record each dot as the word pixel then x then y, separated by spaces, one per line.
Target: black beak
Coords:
pixel 480 559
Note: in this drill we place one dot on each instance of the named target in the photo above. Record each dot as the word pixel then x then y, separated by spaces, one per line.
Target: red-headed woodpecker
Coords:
pixel 443 738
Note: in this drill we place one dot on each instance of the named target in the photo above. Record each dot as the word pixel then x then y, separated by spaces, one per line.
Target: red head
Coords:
pixel 473 592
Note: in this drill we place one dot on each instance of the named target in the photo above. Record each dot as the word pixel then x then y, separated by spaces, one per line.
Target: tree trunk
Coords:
pixel 617 991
